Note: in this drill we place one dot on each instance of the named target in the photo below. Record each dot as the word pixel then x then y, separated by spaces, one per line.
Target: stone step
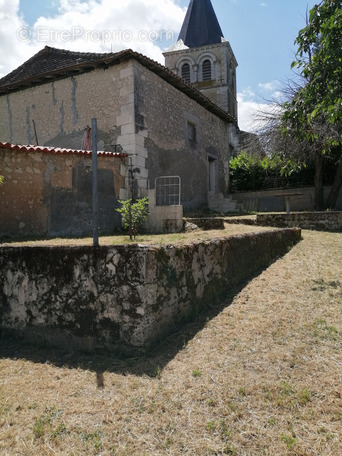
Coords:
pixel 219 203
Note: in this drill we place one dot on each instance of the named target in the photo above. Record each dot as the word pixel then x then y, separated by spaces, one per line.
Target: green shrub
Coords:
pixel 133 214
pixel 252 173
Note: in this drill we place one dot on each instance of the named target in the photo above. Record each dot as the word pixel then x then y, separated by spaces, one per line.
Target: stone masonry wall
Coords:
pixel 49 194
pixel 323 221
pixel 162 116
pixel 303 199
pixel 62 109
pixel 109 296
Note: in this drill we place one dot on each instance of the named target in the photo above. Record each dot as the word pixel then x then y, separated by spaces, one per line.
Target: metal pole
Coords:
pixel 94 182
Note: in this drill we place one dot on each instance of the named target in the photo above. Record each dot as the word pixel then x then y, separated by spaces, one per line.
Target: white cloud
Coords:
pixel 268 86
pixel 252 110
pixel 104 26
pixel 12 53
pixel 92 26
pixel 248 108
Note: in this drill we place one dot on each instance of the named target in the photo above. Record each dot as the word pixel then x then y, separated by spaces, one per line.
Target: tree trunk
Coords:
pixel 319 199
pixel 336 186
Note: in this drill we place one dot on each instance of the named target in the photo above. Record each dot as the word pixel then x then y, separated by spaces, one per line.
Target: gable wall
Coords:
pixel 62 109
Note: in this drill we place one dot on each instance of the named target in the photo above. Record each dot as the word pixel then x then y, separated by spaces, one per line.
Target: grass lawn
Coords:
pixel 155 239
pixel 259 375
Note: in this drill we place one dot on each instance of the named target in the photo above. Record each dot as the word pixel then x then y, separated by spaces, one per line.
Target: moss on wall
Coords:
pixel 126 294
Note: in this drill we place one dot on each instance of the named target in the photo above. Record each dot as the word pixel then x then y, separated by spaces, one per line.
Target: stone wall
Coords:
pixel 324 221
pixel 62 109
pixel 49 193
pixel 303 199
pixel 109 296
pixel 164 115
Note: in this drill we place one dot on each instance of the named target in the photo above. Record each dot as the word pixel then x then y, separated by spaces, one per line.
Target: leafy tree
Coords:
pixel 133 214
pixel 319 102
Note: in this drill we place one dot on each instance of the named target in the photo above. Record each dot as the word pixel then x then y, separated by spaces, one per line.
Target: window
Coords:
pixel 206 70
pixel 191 131
pixel 186 72
pixel 168 190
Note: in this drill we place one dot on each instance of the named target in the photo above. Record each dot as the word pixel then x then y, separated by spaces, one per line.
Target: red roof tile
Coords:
pixel 57 150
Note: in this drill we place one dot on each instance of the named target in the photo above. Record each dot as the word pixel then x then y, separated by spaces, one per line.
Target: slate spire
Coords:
pixel 200 27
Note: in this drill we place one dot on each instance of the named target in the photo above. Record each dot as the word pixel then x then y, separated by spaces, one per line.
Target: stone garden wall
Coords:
pixel 89 297
pixel 303 199
pixel 322 221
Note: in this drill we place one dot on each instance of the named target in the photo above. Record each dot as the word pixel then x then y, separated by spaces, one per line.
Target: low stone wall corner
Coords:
pixel 131 295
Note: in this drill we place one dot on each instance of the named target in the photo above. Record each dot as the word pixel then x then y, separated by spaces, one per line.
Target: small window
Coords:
pixel 191 131
pixel 186 72
pixel 206 70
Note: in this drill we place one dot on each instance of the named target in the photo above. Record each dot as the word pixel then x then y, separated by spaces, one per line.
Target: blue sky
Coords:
pixel 261 33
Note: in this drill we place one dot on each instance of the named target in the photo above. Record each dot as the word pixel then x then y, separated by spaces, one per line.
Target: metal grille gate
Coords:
pixel 168 189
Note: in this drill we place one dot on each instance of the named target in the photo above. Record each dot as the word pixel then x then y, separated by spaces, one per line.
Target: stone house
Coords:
pixel 166 124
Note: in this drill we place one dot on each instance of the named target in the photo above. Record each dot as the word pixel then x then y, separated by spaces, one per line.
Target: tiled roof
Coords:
pixel 48 64
pixel 51 64
pixel 57 150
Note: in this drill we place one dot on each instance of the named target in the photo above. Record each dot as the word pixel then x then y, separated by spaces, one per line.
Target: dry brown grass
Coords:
pixel 176 238
pixel 260 376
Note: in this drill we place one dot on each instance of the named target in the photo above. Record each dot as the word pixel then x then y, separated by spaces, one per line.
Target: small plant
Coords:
pixel 211 402
pixel 304 395
pixel 43 424
pixel 289 440
pixel 196 373
pixel 133 214
pixel 211 426
pixel 60 430
pixel 230 450
pixel 242 391
pixel 38 427
pixel 157 372
pixel 94 437
pixel 324 331
pixel 225 432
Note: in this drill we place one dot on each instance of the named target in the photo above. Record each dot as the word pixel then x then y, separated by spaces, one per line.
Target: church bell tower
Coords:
pixel 204 58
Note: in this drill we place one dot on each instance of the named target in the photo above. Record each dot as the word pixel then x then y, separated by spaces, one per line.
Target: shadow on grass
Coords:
pixel 149 362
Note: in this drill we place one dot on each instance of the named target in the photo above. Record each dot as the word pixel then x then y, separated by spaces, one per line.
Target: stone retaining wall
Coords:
pixel 303 199
pixel 114 295
pixel 324 221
